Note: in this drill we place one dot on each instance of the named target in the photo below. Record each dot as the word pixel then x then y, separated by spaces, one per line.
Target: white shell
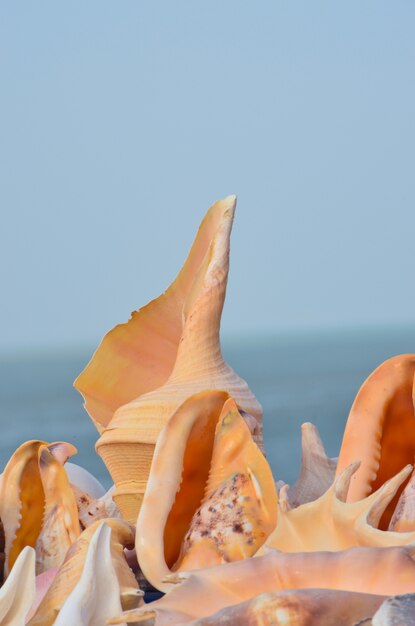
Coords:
pixel 18 592
pixel 96 596
pixel 84 480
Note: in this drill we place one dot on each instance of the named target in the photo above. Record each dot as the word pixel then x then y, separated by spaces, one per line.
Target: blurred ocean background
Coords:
pixel 297 378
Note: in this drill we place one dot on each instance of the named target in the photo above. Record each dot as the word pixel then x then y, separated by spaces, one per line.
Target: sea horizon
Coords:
pixel 298 376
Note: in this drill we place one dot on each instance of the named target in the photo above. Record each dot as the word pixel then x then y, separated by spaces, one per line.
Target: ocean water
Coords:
pixel 296 377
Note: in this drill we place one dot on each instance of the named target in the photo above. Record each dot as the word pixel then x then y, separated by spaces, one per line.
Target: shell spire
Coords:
pixel 317 469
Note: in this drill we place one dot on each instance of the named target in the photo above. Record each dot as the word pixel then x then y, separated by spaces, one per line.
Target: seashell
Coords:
pixel 403 518
pixel 297 608
pixel 90 509
pixel 60 525
pixel 332 523
pixel 84 481
pixel 22 497
pixel 396 611
pixel 304 607
pixel 169 350
pixel 71 570
pixel 380 429
pixel 379 571
pixel 97 594
pixel 210 496
pixel 18 592
pixel 317 469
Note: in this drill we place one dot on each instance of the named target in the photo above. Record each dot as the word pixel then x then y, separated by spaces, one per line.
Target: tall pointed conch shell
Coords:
pixel 18 592
pixel 71 570
pixel 377 571
pixel 380 429
pixel 210 497
pixel 169 349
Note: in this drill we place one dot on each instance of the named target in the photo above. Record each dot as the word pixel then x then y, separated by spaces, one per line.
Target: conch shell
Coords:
pixel 97 595
pixel 378 571
pixel 71 571
pixel 210 496
pixel 18 592
pixel 60 525
pixel 23 497
pixel 317 469
pixel 300 607
pixel 332 523
pixel 304 607
pixel 380 430
pixel 169 350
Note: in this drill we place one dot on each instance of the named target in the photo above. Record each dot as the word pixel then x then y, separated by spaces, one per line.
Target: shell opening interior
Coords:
pixel 397 444
pixel 195 473
pixel 31 510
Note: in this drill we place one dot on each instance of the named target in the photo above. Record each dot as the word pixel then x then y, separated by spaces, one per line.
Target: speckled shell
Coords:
pixel 169 350
pixel 71 570
pixel 380 429
pixel 332 523
pixel 210 498
pixel 377 571
pixel 91 509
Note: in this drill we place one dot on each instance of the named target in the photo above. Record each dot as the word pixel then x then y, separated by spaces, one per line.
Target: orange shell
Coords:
pixel 378 571
pixel 210 497
pixel 380 430
pixel 22 496
pixel 302 607
pixel 332 523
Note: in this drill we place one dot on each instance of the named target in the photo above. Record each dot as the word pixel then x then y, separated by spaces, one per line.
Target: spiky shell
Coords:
pixel 332 523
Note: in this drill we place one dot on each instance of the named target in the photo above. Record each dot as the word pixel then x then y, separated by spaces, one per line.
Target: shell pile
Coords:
pixel 195 511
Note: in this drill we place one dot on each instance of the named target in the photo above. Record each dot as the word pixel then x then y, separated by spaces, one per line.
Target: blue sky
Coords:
pixel 122 122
